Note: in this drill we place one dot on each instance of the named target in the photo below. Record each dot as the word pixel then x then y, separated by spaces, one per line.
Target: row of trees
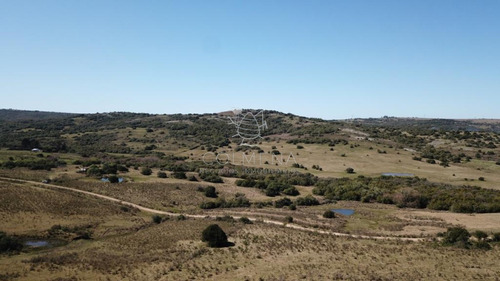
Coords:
pixel 411 192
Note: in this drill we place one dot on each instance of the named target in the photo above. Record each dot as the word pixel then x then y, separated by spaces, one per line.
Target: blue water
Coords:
pixel 36 243
pixel 397 174
pixel 345 212
pixel 107 180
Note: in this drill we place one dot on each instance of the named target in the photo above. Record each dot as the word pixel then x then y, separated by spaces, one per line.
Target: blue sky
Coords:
pixel 328 59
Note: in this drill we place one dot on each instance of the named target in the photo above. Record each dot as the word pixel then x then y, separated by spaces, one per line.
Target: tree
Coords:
pixel 292 191
pixel 210 192
pixel 214 236
pixel 329 214
pixel 9 244
pixel 179 175
pixel 282 202
pixel 309 200
pixel 457 236
pixel 113 179
pixel 157 219
pixel 146 171
pixel 496 237
pixel 480 235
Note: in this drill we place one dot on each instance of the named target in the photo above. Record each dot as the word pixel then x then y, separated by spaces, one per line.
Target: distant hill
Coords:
pixel 471 125
pixel 19 115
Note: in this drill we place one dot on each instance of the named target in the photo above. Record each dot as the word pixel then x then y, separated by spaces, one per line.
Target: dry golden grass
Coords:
pixel 28 210
pixel 173 251
pixel 365 161
pixel 485 222
pixel 126 246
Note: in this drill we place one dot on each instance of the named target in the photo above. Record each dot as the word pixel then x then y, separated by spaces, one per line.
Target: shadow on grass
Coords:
pixel 224 245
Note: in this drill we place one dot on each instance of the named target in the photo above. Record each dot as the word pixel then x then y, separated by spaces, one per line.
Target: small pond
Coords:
pixel 397 174
pixel 41 243
pixel 107 180
pixel 345 212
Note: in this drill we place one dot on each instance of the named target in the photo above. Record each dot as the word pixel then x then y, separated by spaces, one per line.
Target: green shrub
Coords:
pixel 113 179
pixel 245 220
pixel 210 192
pixel 309 200
pixel 482 245
pixel 162 175
pixel 456 236
pixel 349 170
pixel 480 235
pixel 146 171
pixel 211 177
pixel 288 219
pixel 292 191
pixel 210 205
pixel 282 202
pixel 329 214
pixel 214 236
pixel 179 175
pixel 9 244
pixel 156 219
pixel 496 237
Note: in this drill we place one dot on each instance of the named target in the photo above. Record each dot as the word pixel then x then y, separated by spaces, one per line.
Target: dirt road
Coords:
pixel 159 212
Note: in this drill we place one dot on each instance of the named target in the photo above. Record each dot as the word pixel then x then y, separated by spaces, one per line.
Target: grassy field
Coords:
pixel 105 240
pixel 173 251
pixel 366 160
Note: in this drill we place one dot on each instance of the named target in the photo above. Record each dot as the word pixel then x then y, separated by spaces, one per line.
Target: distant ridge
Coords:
pixel 19 115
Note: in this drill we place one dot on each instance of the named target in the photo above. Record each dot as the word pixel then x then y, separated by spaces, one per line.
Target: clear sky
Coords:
pixel 328 59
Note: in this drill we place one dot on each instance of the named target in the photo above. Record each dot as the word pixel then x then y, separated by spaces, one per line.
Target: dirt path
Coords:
pixel 159 212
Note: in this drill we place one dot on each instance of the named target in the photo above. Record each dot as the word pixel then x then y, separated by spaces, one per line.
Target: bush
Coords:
pixel 329 214
pixel 238 201
pixel 179 175
pixel 245 220
pixel 292 191
pixel 162 175
pixel 211 177
pixel 192 178
pixel 496 237
pixel 214 236
pixel 282 202
pixel 146 171
pixel 482 245
pixel 481 178
pixel 309 200
pixel 349 170
pixel 210 192
pixel 456 236
pixel 292 207
pixel 157 219
pixel 113 179
pixel 9 244
pixel 480 235
pixel 210 205
pixel 288 219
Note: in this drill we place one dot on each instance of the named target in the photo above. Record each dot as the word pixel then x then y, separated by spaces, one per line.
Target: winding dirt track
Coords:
pixel 159 212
